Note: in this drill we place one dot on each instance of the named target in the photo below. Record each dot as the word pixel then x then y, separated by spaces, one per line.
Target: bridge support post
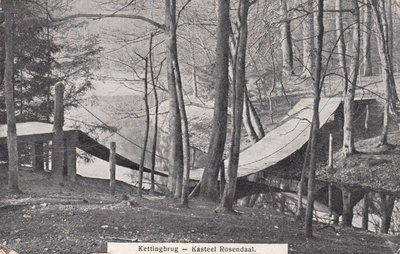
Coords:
pixel 37 156
pixel 113 149
pixel 3 152
pixel 365 211
pixel 347 216
pixel 387 204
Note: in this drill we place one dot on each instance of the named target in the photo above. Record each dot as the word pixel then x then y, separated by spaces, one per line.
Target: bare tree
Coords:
pixel 209 179
pixel 315 120
pixel 286 35
pixel 147 125
pixel 175 158
pixel 350 86
pixel 367 59
pixel 155 127
pixel 237 106
pixel 175 168
pixel 8 7
pixel 391 98
pixel 308 40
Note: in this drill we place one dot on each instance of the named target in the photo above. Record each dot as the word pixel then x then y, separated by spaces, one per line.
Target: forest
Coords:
pixel 243 105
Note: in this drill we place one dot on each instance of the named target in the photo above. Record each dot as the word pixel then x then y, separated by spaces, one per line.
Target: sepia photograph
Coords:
pixel 199 126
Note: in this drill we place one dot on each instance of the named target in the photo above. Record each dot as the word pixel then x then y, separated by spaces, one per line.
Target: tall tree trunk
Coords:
pixel 315 121
pixel 209 179
pixel 387 68
pixel 175 165
pixel 155 127
pixel 300 186
pixel 184 191
pixel 57 155
pixel 350 88
pixel 146 131
pixel 367 70
pixel 48 59
pixel 286 38
pixel 341 46
pixel 8 7
pixel 237 106
pixel 347 135
pixel 390 28
pixel 388 16
pixel 308 40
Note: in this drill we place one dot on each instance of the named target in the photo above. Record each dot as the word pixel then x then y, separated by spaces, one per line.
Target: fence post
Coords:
pixel 330 165
pixel 330 160
pixel 112 167
pixel 366 118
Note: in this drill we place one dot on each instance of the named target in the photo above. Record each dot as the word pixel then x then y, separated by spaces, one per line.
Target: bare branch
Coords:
pixel 101 16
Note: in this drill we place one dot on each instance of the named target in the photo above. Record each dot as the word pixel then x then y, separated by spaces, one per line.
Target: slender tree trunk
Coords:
pixel 255 119
pixel 237 105
pixel 247 119
pixel 315 122
pixel 146 131
pixel 175 167
pixel 209 179
pixel 367 59
pixel 347 135
pixel 388 19
pixel 57 155
pixel 184 191
pixel 48 59
pixel 256 132
pixel 194 72
pixel 365 211
pixel 387 67
pixel 155 127
pixel 300 186
pixel 341 46
pixel 308 40
pixel 350 88
pixel 286 38
pixel 269 93
pixel 390 28
pixel 8 7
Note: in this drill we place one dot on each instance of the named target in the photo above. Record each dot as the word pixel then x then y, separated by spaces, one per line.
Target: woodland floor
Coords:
pixel 82 218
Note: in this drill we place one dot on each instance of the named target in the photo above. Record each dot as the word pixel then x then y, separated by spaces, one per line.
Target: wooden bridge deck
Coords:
pixel 33 132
